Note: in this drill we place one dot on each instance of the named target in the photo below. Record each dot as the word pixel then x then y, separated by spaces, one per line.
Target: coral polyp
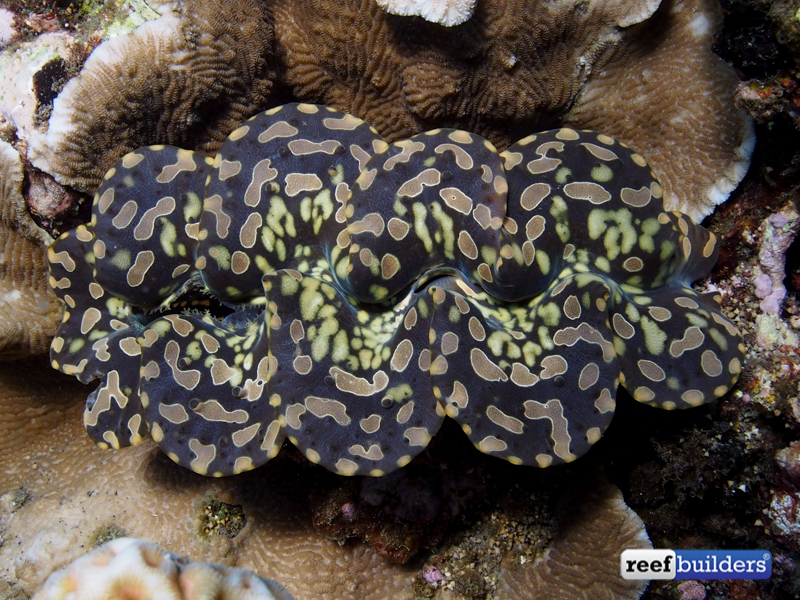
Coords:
pixel 315 282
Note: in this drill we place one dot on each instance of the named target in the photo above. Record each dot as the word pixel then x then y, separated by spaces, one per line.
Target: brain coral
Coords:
pixel 583 561
pixel 348 293
pixel 188 78
pixel 44 457
pixel 644 75
pixel 45 452
pixel 640 71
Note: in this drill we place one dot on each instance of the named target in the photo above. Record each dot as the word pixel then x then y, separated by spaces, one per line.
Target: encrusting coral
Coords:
pixel 124 568
pixel 645 76
pixel 29 311
pixel 188 78
pixel 559 275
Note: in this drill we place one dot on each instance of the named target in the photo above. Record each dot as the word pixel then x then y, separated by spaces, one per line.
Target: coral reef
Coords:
pixel 505 72
pixel 544 331
pixel 626 99
pixel 126 567
pixel 762 40
pixel 723 475
pixel 189 79
pixel 402 76
pixel 486 533
pixel 141 493
pixel 29 311
pixel 51 41
pixel 777 233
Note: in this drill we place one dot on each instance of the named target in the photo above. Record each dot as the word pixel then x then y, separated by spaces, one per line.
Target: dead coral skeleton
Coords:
pixel 444 12
pixel 126 568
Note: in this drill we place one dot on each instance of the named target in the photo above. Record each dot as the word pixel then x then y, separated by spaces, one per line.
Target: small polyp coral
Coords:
pixel 360 291
pixel 126 568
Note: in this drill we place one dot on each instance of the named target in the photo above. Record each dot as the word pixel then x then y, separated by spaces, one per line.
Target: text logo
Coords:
pixel 648 564
pixel 696 564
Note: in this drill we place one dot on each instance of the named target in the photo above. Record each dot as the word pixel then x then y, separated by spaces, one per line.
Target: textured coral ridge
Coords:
pixel 127 567
pixel 360 291
pixel 29 312
pixel 639 70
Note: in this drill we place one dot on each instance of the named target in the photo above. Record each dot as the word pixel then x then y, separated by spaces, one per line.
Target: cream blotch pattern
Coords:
pixel 315 282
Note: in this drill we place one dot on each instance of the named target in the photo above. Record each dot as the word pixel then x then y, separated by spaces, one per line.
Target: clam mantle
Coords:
pixel 315 282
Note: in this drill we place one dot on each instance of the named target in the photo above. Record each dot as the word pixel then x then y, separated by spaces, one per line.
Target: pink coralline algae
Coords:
pixel 788 460
pixel 778 232
pixel 432 574
pixel 692 590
